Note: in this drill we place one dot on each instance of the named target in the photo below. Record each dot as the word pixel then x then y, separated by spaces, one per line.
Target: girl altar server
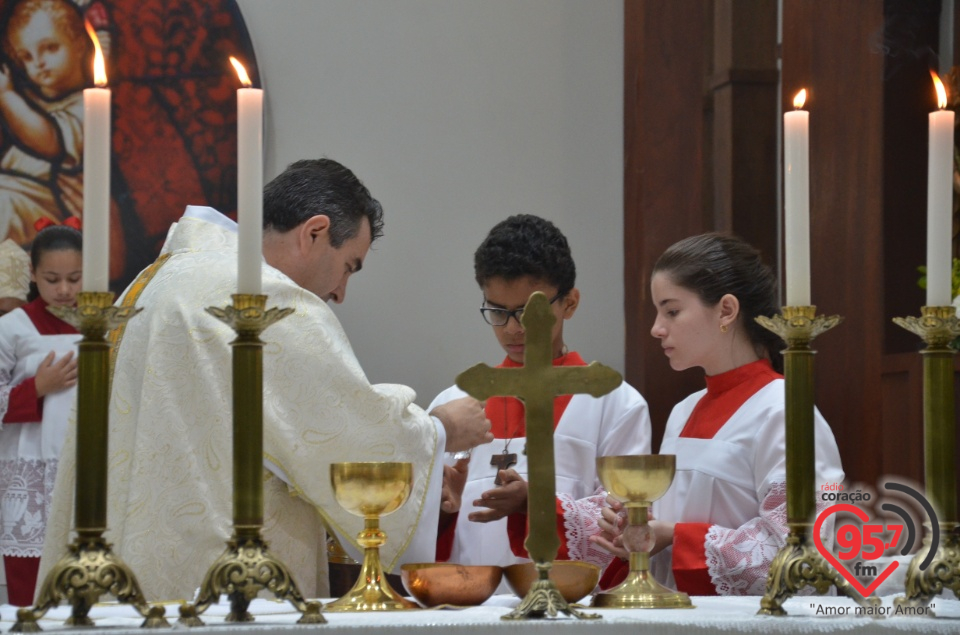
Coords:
pixel 38 372
pixel 723 520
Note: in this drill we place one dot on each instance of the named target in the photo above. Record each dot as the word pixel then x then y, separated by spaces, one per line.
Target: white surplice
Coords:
pixel 170 480
pixel 29 452
pixel 736 482
pixel 617 423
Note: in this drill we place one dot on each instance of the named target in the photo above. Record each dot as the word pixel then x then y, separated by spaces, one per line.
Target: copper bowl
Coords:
pixel 436 583
pixel 574 579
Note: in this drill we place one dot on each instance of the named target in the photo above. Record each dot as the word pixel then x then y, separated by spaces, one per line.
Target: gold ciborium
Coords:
pixel 371 490
pixel 637 481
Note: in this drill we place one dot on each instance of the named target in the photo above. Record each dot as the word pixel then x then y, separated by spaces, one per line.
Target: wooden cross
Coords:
pixel 536 383
pixel 502 461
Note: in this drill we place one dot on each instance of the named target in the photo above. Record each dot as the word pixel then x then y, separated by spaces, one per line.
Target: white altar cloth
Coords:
pixel 712 615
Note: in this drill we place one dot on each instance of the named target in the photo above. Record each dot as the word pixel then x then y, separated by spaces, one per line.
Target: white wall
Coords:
pixel 456 114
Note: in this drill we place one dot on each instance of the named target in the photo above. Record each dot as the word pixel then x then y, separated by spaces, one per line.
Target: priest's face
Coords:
pixel 331 267
pixel 58 276
pixel 500 293
pixel 688 330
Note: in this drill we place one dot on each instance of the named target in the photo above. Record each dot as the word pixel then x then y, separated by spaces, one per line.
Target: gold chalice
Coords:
pixel 637 481
pixel 371 490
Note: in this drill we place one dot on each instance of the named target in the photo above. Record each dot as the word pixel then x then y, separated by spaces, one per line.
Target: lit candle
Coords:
pixel 940 202
pixel 96 176
pixel 796 204
pixel 249 183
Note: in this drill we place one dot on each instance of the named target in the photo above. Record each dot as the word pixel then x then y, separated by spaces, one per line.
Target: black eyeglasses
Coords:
pixel 499 317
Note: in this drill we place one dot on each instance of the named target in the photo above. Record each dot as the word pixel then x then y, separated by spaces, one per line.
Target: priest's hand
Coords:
pixel 509 498
pixel 54 376
pixel 454 479
pixel 466 423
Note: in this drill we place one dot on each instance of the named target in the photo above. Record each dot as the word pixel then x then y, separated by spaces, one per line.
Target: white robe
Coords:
pixel 170 480
pixel 736 482
pixel 617 423
pixel 29 452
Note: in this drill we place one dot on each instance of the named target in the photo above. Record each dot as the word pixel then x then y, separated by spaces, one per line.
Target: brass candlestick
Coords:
pixel 927 577
pixel 798 564
pixel 91 568
pixel 371 490
pixel 247 567
pixel 637 481
pixel 537 382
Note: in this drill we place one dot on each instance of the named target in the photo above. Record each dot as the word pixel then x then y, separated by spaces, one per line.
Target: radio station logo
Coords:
pixel 862 543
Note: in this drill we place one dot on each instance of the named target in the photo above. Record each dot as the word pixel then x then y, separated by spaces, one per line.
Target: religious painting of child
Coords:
pixel 173 114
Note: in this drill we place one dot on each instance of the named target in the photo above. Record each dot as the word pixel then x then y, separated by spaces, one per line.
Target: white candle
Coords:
pixel 940 203
pixel 796 204
pixel 249 184
pixel 96 178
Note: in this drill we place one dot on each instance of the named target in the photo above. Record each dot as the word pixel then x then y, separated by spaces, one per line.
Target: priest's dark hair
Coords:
pixel 526 245
pixel 52 238
pixel 713 265
pixel 315 187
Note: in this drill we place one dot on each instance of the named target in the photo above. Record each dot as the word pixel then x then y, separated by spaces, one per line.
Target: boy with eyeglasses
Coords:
pixel 519 256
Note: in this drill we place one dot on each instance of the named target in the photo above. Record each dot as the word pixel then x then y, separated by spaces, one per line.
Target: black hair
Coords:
pixel 526 245
pixel 314 187
pixel 52 238
pixel 713 265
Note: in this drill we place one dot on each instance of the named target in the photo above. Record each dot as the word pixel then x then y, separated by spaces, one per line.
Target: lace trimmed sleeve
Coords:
pixel 738 559
pixel 580 518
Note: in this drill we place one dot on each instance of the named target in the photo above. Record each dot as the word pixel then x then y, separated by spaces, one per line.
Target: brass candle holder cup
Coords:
pixel 448 584
pixel 371 490
pixel 637 481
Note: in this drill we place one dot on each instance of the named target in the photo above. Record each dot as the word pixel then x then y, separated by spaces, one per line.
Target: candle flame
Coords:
pixel 941 91
pixel 799 100
pixel 241 72
pixel 99 67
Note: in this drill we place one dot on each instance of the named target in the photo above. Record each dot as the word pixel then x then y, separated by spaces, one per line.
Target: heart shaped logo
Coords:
pixel 837 564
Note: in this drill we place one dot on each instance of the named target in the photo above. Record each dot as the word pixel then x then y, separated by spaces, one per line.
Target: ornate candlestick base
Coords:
pixel 798 564
pixel 943 572
pixel 80 578
pixel 928 576
pixel 544 600
pixel 91 568
pixel 247 567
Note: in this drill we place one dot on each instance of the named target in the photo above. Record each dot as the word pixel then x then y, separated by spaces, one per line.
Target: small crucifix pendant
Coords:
pixel 502 462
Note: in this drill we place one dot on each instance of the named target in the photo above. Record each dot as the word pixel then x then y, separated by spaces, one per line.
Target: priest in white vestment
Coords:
pixel 170 461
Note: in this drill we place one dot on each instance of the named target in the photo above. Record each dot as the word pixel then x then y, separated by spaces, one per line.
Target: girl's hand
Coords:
pixel 54 376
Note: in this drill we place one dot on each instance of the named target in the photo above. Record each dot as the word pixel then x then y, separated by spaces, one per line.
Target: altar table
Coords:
pixel 712 615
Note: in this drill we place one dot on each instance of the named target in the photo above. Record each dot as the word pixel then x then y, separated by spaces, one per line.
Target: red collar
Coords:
pixel 506 414
pixel 44 321
pixel 726 393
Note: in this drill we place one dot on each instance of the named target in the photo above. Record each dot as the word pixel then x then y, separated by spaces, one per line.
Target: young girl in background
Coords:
pixel 38 372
